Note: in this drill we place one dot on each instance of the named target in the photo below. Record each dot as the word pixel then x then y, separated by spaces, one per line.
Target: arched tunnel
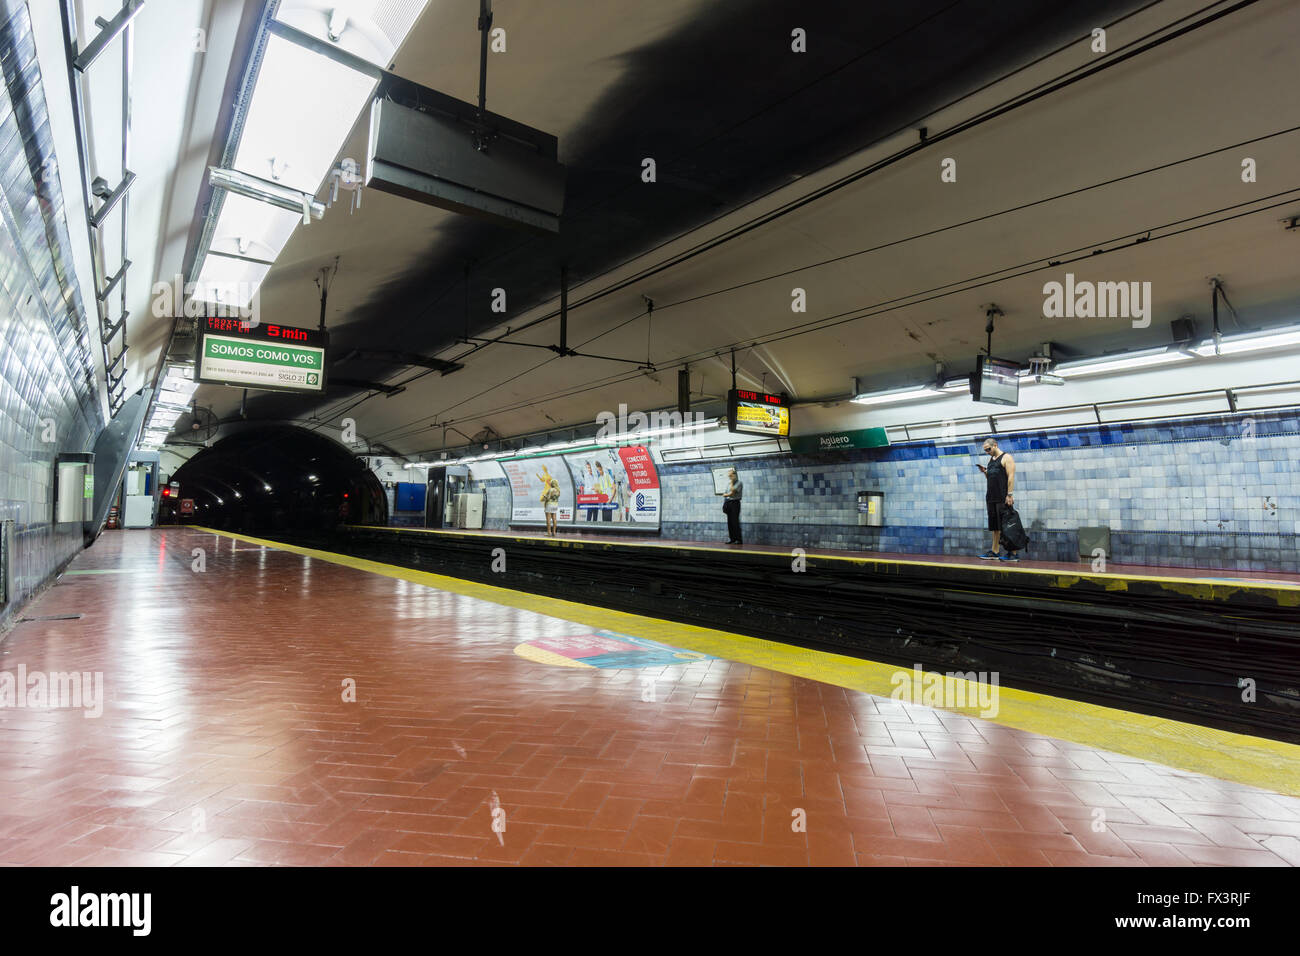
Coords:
pixel 276 478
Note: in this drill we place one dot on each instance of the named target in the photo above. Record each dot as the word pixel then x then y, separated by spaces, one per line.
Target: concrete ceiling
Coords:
pixel 740 126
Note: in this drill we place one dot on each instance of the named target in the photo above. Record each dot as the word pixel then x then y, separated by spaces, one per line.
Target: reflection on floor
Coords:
pixel 262 706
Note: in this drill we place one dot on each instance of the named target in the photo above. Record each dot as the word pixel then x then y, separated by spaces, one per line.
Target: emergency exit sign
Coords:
pixel 274 357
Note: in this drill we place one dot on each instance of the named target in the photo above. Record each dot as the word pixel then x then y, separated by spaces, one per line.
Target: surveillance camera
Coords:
pixel 1045 379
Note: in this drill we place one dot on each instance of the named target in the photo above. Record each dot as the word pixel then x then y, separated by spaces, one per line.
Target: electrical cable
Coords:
pixel 888 305
pixel 1064 80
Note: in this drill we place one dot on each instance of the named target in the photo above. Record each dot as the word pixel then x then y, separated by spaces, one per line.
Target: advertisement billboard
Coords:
pixel 617 488
pixel 607 489
pixel 528 478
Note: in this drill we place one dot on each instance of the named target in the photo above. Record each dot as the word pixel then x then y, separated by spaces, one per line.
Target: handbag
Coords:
pixel 1013 532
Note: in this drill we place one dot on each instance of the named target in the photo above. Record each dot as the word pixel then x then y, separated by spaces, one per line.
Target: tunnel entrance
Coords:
pixel 276 478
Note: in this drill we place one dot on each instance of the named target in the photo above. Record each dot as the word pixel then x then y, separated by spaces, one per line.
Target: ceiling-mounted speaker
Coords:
pixel 443 154
pixel 684 392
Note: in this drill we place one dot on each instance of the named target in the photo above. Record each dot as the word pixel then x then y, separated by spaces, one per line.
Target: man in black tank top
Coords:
pixel 1001 475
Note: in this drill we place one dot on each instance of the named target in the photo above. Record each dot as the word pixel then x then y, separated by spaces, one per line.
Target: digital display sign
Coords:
pixel 757 413
pixel 273 357
pixel 996 381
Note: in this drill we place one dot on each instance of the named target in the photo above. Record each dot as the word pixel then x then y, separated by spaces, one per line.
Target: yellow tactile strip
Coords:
pixel 1256 761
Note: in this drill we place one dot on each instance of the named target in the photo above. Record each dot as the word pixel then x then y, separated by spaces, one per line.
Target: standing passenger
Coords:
pixel 551 504
pixel 1001 475
pixel 731 507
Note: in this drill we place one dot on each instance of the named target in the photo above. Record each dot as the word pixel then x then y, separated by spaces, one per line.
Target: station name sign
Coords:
pixel 840 441
pixel 274 357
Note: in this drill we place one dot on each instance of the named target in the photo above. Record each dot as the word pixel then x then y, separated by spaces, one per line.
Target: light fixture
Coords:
pixel 901 395
pixel 319 67
pixel 1238 344
pixel 266 191
pixel 337 24
pixel 168 397
pixel 1122 363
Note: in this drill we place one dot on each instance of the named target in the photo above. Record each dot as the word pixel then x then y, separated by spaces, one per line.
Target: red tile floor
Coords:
pixel 225 739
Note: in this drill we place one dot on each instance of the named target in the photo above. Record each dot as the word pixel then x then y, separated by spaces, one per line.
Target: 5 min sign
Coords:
pixel 273 357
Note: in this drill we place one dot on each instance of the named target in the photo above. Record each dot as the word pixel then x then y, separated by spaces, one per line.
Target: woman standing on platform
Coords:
pixel 551 504
pixel 731 507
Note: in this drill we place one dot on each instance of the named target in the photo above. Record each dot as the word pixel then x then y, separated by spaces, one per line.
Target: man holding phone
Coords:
pixel 1001 475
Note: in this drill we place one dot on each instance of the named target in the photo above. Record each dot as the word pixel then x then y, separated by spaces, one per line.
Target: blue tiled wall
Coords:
pixel 1199 493
pixel 1208 493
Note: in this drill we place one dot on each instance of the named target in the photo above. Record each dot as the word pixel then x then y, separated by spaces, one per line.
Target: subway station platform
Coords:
pixel 269 703
pixel 1118 637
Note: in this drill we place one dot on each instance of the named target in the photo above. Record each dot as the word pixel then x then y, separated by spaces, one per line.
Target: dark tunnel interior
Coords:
pixel 276 478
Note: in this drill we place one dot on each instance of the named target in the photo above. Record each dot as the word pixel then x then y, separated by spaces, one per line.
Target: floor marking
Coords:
pixel 1255 761
pixel 606 650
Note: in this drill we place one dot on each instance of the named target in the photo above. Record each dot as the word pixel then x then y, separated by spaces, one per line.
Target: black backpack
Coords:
pixel 1013 532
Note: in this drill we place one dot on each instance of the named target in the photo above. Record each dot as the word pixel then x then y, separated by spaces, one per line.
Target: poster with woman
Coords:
pixel 529 478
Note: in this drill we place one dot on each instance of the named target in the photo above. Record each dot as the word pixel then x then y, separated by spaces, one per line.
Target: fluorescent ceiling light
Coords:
pixel 1238 344
pixel 180 380
pixel 370 29
pixel 1121 364
pixel 302 109
pixel 902 395
pixel 181 399
pixel 247 224
pixel 229 282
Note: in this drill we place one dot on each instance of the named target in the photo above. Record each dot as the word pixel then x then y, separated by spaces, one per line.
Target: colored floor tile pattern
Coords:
pixel 289 708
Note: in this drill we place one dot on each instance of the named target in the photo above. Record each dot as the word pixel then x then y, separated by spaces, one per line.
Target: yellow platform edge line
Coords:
pixel 1254 761
pixel 1100 576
